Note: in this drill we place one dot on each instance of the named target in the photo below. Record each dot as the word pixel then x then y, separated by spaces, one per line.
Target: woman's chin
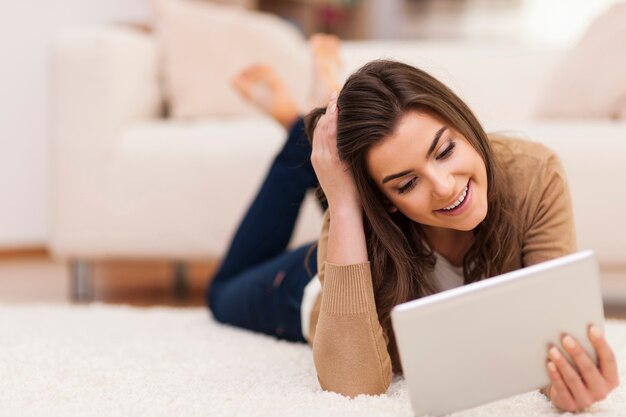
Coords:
pixel 480 218
pixel 472 221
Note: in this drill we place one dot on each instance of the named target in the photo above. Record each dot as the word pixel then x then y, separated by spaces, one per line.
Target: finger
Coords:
pixel 324 138
pixel 574 383
pixel 319 134
pixel 606 357
pixel 332 103
pixel 331 109
pixel 590 373
pixel 559 393
pixel 331 131
pixel 331 124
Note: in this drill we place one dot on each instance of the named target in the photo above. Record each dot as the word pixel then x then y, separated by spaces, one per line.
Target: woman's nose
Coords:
pixel 443 186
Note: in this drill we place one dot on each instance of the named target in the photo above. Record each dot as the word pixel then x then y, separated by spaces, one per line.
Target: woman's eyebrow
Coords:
pixel 394 176
pixel 435 141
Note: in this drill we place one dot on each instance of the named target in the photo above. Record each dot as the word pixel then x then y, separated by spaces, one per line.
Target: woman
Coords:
pixel 419 200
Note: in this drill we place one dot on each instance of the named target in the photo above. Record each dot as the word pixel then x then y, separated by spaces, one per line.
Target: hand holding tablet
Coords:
pixel 573 390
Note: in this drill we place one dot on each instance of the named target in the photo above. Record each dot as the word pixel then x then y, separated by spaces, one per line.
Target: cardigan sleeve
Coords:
pixel 349 344
pixel 550 231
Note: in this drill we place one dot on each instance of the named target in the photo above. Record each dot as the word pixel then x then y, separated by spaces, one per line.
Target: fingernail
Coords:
pixel 551 366
pixel 333 95
pixel 333 107
pixel 595 332
pixel 554 352
pixel 569 342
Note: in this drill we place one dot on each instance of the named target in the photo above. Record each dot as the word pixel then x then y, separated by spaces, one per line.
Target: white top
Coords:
pixel 445 274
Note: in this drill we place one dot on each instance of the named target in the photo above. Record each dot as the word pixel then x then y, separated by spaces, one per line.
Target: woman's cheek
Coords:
pixel 414 208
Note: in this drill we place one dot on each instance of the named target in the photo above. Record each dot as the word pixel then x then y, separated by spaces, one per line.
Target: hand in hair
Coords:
pixel 333 174
pixel 576 390
pixel 346 237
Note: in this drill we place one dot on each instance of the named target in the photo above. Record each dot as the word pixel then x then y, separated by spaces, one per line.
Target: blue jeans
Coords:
pixel 260 284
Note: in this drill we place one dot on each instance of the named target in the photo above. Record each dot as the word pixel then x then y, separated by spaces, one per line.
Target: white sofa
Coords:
pixel 127 183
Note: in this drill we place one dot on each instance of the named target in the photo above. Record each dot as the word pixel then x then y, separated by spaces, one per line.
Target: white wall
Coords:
pixel 26 29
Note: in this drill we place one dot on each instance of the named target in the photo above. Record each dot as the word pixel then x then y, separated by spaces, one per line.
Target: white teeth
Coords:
pixel 457 202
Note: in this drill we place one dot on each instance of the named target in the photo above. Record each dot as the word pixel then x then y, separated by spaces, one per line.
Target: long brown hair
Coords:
pixel 371 104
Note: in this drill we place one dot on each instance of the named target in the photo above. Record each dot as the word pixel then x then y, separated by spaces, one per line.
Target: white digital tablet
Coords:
pixel 489 340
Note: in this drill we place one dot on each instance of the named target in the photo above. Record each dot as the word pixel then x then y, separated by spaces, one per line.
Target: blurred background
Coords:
pixel 28 29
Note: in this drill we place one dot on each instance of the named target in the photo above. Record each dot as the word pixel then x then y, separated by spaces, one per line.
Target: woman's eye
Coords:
pixel 447 152
pixel 407 187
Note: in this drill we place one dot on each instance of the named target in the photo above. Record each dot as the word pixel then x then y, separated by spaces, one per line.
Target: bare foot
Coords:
pixel 261 85
pixel 326 68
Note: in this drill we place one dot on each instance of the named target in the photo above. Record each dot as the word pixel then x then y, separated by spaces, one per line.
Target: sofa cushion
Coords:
pixel 178 189
pixel 204 45
pixel 591 82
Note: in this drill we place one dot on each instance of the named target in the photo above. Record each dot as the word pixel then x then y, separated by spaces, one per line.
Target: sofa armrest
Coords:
pixel 592 153
pixel 102 80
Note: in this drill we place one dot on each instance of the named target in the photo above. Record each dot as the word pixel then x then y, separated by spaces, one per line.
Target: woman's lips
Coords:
pixel 461 208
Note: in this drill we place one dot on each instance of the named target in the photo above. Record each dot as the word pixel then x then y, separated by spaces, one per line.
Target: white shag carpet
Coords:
pixel 100 360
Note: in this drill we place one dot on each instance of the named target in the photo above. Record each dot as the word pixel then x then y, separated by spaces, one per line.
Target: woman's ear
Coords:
pixel 389 206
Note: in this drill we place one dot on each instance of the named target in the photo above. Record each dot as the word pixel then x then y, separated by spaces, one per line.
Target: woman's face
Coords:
pixel 431 173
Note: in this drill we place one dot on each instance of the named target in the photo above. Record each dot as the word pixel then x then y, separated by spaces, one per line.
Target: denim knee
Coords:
pixel 210 301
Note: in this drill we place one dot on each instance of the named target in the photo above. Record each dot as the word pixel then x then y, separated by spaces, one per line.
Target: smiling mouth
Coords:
pixel 458 202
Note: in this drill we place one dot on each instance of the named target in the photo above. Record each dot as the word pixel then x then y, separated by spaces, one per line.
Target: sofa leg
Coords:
pixel 81 281
pixel 181 281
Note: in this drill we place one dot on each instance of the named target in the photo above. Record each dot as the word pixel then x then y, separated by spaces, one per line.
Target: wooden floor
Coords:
pixel 33 277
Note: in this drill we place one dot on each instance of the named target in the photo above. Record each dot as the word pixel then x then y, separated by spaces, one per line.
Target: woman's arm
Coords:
pixel 349 347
